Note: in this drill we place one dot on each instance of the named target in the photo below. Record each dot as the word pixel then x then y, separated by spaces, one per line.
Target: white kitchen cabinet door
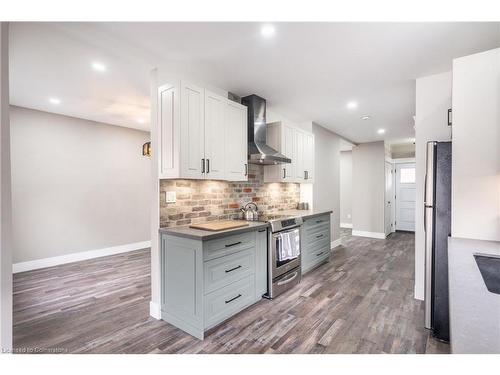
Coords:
pixel 192 131
pixel 309 157
pixel 236 142
pixel 167 148
pixel 281 137
pixel 288 149
pixel 300 144
pixel 215 147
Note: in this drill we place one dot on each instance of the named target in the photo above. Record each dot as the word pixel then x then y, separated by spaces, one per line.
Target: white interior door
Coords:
pixel 405 196
pixel 389 196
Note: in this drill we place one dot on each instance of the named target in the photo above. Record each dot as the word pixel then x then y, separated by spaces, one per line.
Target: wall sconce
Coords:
pixel 146 149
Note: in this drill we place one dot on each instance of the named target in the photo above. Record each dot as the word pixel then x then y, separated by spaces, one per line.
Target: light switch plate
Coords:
pixel 170 197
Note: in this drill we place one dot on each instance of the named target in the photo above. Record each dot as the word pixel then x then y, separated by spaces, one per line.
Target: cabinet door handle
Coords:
pixel 233 244
pixel 232 269
pixel 284 172
pixel 319 221
pixel 262 230
pixel 319 236
pixel 208 165
pixel 319 254
pixel 202 165
pixel 246 169
pixel 232 299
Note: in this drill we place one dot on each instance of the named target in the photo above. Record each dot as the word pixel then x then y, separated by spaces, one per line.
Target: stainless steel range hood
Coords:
pixel 258 151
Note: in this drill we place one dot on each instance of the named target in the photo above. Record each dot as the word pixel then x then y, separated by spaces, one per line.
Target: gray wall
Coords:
pixel 326 189
pixel 5 197
pixel 368 187
pixel 77 185
pixel 433 98
pixel 346 187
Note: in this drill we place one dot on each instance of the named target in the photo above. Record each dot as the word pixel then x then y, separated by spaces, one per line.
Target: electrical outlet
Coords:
pixel 170 197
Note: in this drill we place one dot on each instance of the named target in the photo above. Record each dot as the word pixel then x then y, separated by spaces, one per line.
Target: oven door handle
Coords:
pixel 289 279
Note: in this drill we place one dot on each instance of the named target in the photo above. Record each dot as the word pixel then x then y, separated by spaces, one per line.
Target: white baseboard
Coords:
pixel 346 225
pixel 154 310
pixel 362 233
pixel 335 243
pixel 75 257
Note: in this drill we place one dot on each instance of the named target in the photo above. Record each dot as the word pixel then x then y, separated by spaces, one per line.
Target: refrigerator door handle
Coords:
pixel 425 204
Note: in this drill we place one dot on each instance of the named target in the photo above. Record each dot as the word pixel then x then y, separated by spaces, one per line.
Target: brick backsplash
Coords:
pixel 206 200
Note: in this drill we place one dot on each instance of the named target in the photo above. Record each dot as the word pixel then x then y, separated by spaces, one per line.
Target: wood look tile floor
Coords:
pixel 360 302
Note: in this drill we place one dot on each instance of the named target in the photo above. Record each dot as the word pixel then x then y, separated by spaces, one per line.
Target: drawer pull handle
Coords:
pixel 232 299
pixel 319 236
pixel 262 230
pixel 319 254
pixel 233 269
pixel 233 244
pixel 319 221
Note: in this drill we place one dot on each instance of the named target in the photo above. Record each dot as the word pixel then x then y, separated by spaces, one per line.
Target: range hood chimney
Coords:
pixel 258 151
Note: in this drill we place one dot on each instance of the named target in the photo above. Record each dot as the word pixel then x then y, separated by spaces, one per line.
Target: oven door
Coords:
pixel 279 267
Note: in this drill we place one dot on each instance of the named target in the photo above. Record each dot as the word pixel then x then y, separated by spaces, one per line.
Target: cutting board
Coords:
pixel 220 225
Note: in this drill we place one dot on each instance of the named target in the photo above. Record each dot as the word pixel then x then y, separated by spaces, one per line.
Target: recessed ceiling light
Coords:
pixel 366 117
pixel 98 66
pixel 267 31
pixel 381 131
pixel 352 105
pixel 55 100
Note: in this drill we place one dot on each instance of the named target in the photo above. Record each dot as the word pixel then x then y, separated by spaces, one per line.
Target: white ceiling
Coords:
pixel 307 71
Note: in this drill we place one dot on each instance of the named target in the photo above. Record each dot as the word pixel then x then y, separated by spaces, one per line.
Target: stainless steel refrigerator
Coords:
pixel 437 226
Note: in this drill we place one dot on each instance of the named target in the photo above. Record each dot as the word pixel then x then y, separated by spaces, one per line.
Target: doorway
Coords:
pixel 405 196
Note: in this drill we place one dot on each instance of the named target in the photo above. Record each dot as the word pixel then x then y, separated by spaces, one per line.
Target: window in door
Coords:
pixel 407 176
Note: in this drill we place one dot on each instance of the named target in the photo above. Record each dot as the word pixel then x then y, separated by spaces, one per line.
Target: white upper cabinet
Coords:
pixel 201 135
pixel 192 131
pixel 300 144
pixel 309 157
pixel 168 131
pixel 281 137
pixel 236 142
pixel 215 147
pixel 295 144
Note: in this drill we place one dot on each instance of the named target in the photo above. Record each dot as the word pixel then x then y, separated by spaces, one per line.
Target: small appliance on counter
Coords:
pixel 303 206
pixel 250 212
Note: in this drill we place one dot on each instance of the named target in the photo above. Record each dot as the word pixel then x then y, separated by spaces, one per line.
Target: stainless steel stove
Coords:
pixel 284 252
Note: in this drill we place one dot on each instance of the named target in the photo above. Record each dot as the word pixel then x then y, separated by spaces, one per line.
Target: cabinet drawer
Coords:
pixel 315 257
pixel 227 301
pixel 310 248
pixel 318 220
pixel 228 245
pixel 318 236
pixel 223 271
pixel 317 228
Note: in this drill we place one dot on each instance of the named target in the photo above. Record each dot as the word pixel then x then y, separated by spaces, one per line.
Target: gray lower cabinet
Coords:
pixel 206 282
pixel 315 242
